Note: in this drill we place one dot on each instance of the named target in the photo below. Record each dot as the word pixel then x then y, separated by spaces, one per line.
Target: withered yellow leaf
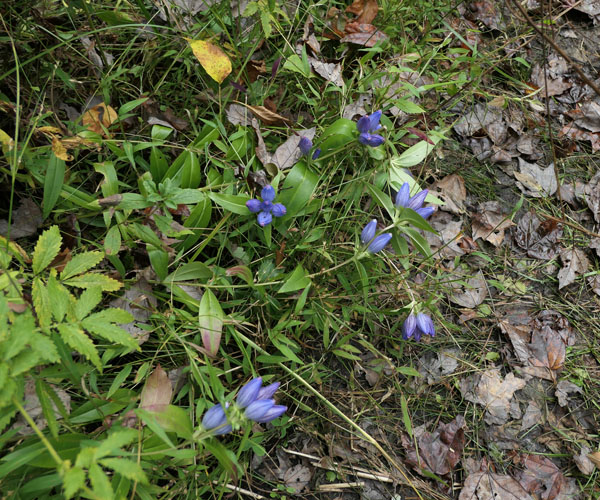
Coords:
pixel 99 116
pixel 49 130
pixel 59 150
pixel 6 141
pixel 212 58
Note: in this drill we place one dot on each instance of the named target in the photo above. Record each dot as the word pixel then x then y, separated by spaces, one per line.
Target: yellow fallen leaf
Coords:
pixel 6 141
pixel 59 150
pixel 49 130
pixel 212 58
pixel 99 116
pixel 595 458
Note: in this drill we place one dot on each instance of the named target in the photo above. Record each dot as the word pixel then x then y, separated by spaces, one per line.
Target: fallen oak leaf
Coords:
pixel 265 115
pixel 366 10
pixel 363 34
pixel 214 61
pixel 575 263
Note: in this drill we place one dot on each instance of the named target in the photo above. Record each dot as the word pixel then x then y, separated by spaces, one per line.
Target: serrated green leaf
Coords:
pixel 77 339
pixel 117 439
pixel 41 302
pixel 127 468
pixel 21 335
pixel 45 348
pixel 210 320
pixel 73 481
pixel 110 332
pixel 61 298
pixel 24 361
pixel 87 301
pixel 100 482
pixel 46 249
pixel 112 315
pixel 89 280
pixel 81 263
pixel 41 389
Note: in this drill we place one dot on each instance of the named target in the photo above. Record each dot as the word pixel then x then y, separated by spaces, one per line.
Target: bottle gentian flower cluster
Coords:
pixel 368 233
pixel 368 124
pixel 266 209
pixel 415 326
pixel 253 402
pixel 403 199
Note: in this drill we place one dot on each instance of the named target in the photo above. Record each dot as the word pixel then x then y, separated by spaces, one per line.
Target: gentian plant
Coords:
pixel 266 209
pixel 368 124
pixel 415 326
pixel 403 199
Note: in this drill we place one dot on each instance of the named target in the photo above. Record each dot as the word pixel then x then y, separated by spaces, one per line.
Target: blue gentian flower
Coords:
pixel 417 326
pixel 266 208
pixel 368 124
pixel 415 202
pixel 249 392
pixel 379 243
pixel 259 408
pixel 215 417
pixel 425 212
pixel 306 145
pixel 368 233
pixel 273 413
pixel 268 391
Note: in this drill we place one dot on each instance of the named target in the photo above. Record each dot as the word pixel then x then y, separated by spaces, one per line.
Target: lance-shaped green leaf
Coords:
pixel 210 319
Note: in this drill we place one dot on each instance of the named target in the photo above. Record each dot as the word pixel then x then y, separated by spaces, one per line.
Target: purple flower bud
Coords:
pixel 316 154
pixel 264 219
pixel 417 200
pixel 403 195
pixel 278 210
pixel 249 392
pixel 374 121
pixel 409 326
pixel 215 417
pixel 368 233
pixel 425 324
pixel 237 86
pixel 379 243
pixel 273 413
pixel 363 124
pixel 254 205
pixel 305 145
pixel 268 391
pixel 275 67
pixel 372 140
pixel 259 408
pixel 268 193
pixel 425 212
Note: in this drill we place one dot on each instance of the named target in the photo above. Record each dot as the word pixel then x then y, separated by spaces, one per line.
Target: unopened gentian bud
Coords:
pixel 363 124
pixel 305 145
pixel 215 417
pixel 254 205
pixel 417 200
pixel 425 212
pixel 259 408
pixel 379 243
pixel 268 391
pixel 268 193
pixel 403 195
pixel 316 154
pixel 409 326
pixel 273 413
pixel 368 233
pixel 249 392
pixel 425 324
pixel 278 210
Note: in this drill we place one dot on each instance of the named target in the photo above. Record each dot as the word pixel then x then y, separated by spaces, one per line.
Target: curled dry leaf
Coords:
pixel 584 464
pixel 489 223
pixel 542 478
pixel 489 390
pixel 563 389
pixel 437 365
pixel 594 282
pixel 59 150
pixel 574 263
pixel 330 71
pixel 451 189
pixel 533 416
pixel 592 196
pixel 438 452
pixel 267 116
pixel 366 10
pixel 99 118
pixel 535 181
pixel 297 477
pixel 539 239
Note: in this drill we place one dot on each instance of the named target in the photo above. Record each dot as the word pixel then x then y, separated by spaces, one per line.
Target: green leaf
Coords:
pixel 53 182
pixel 46 249
pixel 409 371
pixel 41 389
pixel 88 280
pixel 41 302
pixel 336 136
pixel 418 240
pixel 115 440
pixel 231 202
pixel 190 271
pixel 80 264
pixel 406 416
pixel 297 281
pixel 61 298
pixel 118 380
pixel 294 63
pixel 174 419
pixel 112 241
pixel 406 214
pixel 76 338
pixel 298 188
pixel 225 457
pixel 382 199
pixel 149 419
pixel 127 468
pixel 112 315
pixel 131 105
pixel 159 260
pixel 87 301
pixel 408 106
pixel 210 320
pixel 100 482
pixel 110 332
pixel 73 481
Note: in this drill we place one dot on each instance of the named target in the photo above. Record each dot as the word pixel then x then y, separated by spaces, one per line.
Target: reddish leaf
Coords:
pixel 366 10
pixel 157 392
pixel 363 34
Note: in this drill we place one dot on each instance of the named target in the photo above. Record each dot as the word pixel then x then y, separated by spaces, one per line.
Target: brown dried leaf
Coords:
pixel 238 115
pixel 563 389
pixel 489 223
pixel 489 390
pixel 594 282
pixel 533 416
pixel 595 458
pixel 438 452
pixel 592 196
pixel 288 153
pixel 541 477
pixel 139 301
pixel 436 365
pixel 447 241
pixel 330 71
pixel 26 220
pixel 59 150
pixel 157 392
pixel 492 486
pixel 366 10
pixel 536 181
pixel 297 477
pixel 363 34
pixel 486 12
pixel 539 239
pixel 574 263
pixel 98 118
pixel 267 116
pixel 470 295
pixel 584 464
pixel 451 189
